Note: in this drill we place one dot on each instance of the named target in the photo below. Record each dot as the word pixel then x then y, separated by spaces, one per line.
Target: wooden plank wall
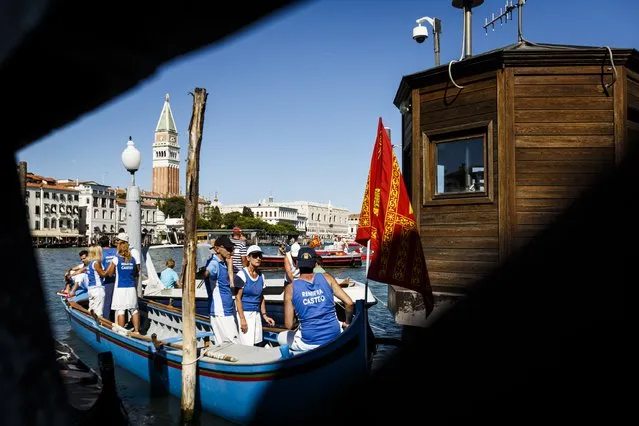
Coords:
pixel 460 241
pixel 564 138
pixel 633 96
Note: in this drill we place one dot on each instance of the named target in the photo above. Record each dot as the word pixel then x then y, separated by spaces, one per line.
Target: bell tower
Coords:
pixel 166 154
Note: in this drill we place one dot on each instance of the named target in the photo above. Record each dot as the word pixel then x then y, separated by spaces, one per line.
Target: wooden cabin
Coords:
pixel 491 164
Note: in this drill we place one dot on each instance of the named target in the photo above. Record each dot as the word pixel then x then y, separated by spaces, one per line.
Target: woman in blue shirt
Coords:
pixel 249 300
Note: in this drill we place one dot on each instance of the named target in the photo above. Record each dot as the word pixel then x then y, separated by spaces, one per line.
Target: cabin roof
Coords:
pixel 526 54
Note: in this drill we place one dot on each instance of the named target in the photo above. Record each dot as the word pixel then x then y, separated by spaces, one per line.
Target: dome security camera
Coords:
pixel 420 33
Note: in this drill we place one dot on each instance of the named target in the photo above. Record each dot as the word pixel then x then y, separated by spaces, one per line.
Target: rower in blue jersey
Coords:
pixel 311 298
pixel 125 295
pixel 220 295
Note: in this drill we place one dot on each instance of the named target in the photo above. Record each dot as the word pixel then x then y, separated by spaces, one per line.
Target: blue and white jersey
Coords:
pixel 124 272
pixel 218 288
pixel 252 293
pixel 315 307
pixel 93 278
pixel 108 254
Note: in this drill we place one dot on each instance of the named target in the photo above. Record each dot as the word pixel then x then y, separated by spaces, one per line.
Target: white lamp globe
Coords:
pixel 131 157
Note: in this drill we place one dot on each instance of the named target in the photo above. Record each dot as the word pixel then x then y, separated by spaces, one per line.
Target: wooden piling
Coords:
pixel 189 343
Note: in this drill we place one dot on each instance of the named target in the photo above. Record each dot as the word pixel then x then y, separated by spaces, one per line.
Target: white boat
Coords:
pixel 153 289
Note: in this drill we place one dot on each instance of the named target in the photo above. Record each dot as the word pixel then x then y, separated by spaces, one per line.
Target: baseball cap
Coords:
pixel 224 241
pixel 295 249
pixel 253 249
pixel 122 236
pixel 306 258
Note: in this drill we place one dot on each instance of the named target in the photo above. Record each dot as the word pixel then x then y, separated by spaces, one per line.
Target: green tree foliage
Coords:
pixel 231 219
pixel 247 212
pixel 216 219
pixel 173 207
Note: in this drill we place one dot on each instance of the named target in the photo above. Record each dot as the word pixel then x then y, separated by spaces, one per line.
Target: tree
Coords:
pixel 173 207
pixel 215 218
pixel 247 212
pixel 231 219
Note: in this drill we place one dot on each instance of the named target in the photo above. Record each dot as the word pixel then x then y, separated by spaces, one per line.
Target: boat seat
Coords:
pixel 246 354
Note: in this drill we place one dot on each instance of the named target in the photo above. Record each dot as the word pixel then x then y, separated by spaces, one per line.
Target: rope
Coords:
pixel 211 353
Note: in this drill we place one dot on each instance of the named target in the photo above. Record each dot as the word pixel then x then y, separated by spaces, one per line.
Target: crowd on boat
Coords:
pixel 234 285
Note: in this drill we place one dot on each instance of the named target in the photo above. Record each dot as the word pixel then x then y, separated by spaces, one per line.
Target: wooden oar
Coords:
pixel 109 324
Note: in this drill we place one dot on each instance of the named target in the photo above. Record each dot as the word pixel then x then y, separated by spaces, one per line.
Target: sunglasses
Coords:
pixel 256 255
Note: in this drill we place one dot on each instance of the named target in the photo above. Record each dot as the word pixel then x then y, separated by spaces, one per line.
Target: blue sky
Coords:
pixel 294 100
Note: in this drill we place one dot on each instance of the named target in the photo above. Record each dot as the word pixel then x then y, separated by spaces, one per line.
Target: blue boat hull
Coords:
pixel 238 392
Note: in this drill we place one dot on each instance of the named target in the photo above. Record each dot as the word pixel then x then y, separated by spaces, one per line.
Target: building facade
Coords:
pixel 166 154
pixel 53 212
pixel 309 217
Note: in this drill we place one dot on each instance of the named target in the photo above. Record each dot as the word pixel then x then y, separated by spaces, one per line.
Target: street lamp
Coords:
pixel 131 159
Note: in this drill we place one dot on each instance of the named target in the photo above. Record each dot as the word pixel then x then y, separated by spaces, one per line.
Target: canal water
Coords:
pixel 145 408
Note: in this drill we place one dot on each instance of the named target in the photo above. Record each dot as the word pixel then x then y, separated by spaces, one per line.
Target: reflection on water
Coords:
pixel 143 407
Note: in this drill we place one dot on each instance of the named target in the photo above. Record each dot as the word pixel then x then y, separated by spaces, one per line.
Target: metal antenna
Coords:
pixel 506 13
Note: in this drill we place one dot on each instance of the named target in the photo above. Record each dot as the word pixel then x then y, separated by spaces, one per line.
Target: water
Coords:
pixel 143 407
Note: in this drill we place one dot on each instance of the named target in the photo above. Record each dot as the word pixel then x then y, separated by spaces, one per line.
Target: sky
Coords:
pixel 294 100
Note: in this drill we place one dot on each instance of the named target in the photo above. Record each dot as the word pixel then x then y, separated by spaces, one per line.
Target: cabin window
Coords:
pixel 458 163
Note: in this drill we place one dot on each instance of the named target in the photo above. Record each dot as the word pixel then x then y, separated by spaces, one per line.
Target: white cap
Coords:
pixel 295 249
pixel 253 249
pixel 122 236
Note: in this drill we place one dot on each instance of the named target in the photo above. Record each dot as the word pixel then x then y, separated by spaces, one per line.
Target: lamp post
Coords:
pixel 131 159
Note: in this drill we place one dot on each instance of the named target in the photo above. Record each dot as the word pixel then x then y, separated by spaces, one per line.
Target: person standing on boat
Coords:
pixel 220 296
pixel 249 300
pixel 125 295
pixel 239 252
pixel 291 270
pixel 94 280
pixel 108 253
pixel 311 297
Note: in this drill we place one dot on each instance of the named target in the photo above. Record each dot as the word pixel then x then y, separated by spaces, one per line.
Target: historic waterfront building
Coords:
pixel 309 217
pixel 53 212
pixel 166 154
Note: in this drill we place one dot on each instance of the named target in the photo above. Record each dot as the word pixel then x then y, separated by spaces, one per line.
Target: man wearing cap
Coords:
pixel 239 252
pixel 291 270
pixel 311 297
pixel 220 296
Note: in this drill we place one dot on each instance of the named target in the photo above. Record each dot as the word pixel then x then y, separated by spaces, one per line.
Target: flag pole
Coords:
pixel 368 262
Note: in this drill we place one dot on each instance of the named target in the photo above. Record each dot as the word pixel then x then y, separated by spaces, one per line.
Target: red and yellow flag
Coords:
pixel 387 220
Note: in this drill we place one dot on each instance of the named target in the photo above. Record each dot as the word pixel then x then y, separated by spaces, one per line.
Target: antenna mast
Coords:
pixel 467 5
pixel 505 14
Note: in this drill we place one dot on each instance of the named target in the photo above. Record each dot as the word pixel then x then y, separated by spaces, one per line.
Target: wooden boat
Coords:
pixel 92 397
pixel 235 382
pixel 330 259
pixel 155 257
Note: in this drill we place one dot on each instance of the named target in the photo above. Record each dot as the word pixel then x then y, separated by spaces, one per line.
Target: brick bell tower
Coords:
pixel 166 154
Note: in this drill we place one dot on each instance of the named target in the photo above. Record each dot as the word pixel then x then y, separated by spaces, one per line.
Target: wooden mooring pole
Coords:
pixel 189 348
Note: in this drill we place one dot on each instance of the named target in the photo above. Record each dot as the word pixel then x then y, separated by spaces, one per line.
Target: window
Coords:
pixel 37 209
pixel 46 195
pixel 37 224
pixel 46 223
pixel 37 194
pixel 458 164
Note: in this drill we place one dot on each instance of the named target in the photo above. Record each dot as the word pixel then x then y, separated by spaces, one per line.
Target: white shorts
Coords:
pixel 293 338
pixel 254 333
pixel 96 299
pixel 225 329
